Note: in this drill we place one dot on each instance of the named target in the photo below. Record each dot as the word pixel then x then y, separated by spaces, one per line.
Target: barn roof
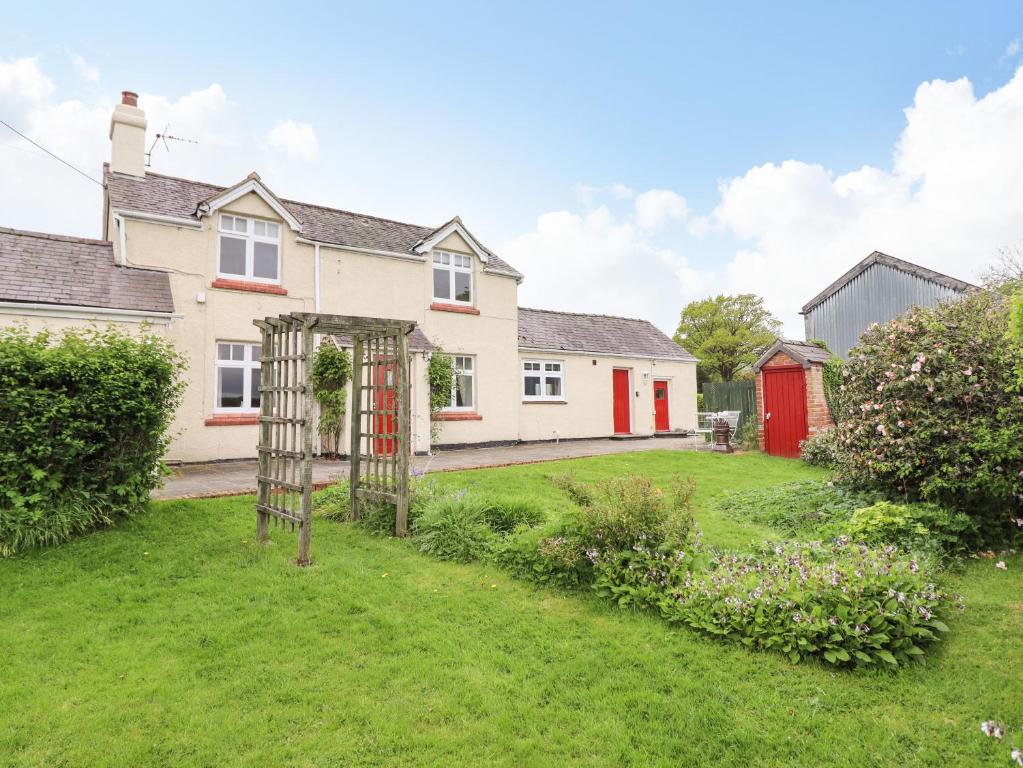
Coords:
pixel 883 258
pixel 803 352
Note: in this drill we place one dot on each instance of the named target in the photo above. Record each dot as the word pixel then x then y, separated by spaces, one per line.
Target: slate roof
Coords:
pixel 803 352
pixel 544 329
pixel 53 269
pixel 883 258
pixel 171 196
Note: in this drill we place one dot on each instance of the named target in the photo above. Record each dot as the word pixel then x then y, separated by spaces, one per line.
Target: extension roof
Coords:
pixel 547 330
pixel 883 258
pixel 803 352
pixel 39 268
pixel 160 195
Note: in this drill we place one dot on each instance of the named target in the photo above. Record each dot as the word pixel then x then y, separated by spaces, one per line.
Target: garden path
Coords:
pixel 227 478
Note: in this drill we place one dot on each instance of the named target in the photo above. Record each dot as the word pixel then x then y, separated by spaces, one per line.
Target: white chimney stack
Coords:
pixel 128 137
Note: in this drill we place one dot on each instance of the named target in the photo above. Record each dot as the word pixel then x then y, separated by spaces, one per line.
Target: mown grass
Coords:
pixel 176 640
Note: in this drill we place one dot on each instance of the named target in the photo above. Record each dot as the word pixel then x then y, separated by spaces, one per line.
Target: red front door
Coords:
pixel 386 423
pixel 622 401
pixel 661 406
pixel 784 410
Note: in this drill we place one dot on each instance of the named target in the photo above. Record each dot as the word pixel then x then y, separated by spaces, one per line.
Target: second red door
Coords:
pixel 661 423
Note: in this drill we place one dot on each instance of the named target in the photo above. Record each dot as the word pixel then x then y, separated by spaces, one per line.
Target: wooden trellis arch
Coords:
pixel 380 418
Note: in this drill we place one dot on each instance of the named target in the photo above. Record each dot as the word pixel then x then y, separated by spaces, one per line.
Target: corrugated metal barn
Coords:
pixel 876 290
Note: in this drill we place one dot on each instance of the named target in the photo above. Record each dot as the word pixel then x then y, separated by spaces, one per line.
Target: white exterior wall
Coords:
pixel 587 407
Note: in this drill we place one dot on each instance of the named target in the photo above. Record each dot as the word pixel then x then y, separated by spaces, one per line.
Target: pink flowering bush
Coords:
pixel 846 603
pixel 931 410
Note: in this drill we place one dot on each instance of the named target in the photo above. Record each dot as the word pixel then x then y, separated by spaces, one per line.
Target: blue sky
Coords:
pixel 506 114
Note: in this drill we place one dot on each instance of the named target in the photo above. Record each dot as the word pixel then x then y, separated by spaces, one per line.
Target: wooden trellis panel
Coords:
pixel 380 418
pixel 380 426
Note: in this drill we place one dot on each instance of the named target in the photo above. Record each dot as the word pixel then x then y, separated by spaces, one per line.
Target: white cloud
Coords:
pixel 589 195
pixel 954 194
pixel 84 68
pixel 39 193
pixel 1012 48
pixel 297 140
pixel 656 207
pixel 594 262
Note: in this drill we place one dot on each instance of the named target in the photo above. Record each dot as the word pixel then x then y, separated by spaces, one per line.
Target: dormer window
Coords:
pixel 249 249
pixel 452 277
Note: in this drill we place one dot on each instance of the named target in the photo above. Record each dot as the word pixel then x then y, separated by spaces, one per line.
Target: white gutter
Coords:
pixel 80 312
pixel 157 218
pixel 594 353
pixel 370 251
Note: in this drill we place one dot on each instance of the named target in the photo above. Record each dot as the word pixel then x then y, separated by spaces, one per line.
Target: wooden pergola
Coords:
pixel 380 418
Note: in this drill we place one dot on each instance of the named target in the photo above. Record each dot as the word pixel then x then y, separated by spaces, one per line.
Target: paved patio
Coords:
pixel 227 478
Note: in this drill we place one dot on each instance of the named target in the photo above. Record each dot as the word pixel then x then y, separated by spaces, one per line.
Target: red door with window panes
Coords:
pixel 661 423
pixel 784 409
pixel 622 401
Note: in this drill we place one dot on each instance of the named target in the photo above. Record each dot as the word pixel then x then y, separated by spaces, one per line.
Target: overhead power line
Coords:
pixel 51 154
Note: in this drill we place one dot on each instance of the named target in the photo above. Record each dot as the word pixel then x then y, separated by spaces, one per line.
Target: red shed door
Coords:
pixel 784 410
pixel 661 406
pixel 620 387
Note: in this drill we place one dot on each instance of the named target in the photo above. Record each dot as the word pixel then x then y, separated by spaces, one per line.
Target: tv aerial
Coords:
pixel 162 139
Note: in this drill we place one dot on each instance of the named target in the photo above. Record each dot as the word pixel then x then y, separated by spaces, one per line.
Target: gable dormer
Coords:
pixel 250 223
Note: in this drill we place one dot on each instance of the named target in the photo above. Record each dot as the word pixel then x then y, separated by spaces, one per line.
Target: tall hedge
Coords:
pixel 931 410
pixel 84 420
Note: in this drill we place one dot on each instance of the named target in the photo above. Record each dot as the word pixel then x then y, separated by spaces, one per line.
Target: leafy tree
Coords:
pixel 1005 274
pixel 727 333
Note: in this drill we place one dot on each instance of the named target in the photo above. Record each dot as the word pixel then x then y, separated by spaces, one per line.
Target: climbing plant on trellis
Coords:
pixel 380 418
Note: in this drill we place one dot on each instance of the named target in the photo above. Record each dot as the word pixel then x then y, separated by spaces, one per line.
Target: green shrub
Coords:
pixel 505 515
pixel 455 528
pixel 85 420
pixel 931 411
pixel 920 527
pixel 746 436
pixel 826 511
pixel 551 554
pixel 821 449
pixel 333 503
pixel 846 603
pixel 630 510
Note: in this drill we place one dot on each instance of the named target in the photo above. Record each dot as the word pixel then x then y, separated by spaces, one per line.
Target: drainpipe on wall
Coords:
pixel 121 241
pixel 316 278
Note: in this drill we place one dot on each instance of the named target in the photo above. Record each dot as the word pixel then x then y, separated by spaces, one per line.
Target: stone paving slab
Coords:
pixel 228 478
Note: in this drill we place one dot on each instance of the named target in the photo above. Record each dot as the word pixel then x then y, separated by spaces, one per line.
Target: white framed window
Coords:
pixel 543 380
pixel 463 390
pixel 452 277
pixel 249 249
pixel 237 385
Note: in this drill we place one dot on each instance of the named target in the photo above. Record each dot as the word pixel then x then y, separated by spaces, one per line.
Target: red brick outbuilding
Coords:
pixel 790 396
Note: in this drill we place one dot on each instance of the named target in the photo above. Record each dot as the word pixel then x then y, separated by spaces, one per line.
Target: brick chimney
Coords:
pixel 128 136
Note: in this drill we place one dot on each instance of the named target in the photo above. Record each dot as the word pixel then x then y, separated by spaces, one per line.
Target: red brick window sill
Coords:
pixel 245 285
pixel 232 419
pixel 439 307
pixel 457 416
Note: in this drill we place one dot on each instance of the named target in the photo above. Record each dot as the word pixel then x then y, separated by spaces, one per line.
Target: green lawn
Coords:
pixel 176 640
